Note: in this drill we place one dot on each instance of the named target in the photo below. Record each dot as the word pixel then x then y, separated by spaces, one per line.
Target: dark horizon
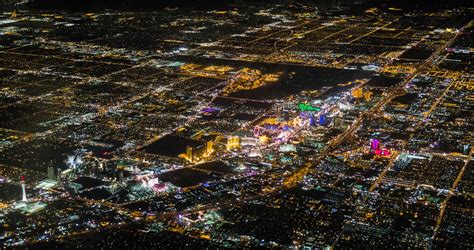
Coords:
pixel 145 5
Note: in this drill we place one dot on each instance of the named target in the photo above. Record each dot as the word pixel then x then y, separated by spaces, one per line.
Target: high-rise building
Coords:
pixel 120 175
pixel 23 189
pixel 322 120
pixel 51 173
pixel 374 144
pixel 312 121
pixel 209 147
pixel 233 142
pixel 59 175
pixel 368 95
pixel 189 153
pixel 466 149
pixel 357 93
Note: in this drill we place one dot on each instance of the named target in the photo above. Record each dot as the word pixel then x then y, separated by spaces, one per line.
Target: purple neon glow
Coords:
pixel 210 110
pixel 374 144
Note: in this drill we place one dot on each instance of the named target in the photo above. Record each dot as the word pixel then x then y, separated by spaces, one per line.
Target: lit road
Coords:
pixel 384 172
pixel 451 192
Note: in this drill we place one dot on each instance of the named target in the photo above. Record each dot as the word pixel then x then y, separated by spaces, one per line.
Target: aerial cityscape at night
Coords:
pixel 236 124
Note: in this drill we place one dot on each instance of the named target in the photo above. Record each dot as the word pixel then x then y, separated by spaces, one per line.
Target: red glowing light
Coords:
pixel 383 152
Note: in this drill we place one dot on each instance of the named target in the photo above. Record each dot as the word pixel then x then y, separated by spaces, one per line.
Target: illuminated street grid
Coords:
pixel 243 127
